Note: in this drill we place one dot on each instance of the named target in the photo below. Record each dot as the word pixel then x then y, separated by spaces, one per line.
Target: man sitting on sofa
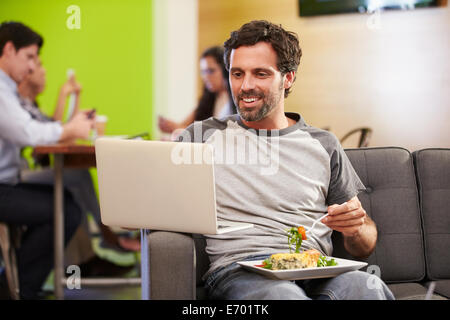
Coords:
pixel 287 174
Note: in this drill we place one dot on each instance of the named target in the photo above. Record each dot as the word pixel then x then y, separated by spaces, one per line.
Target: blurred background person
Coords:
pixel 216 98
pixel 25 204
pixel 34 84
pixel 78 181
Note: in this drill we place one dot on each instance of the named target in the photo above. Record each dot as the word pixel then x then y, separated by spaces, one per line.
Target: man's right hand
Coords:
pixel 70 86
pixel 79 127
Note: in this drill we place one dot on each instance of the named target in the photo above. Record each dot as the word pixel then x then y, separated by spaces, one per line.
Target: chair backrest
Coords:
pixel 364 138
pixel 391 200
pixel 9 242
pixel 433 180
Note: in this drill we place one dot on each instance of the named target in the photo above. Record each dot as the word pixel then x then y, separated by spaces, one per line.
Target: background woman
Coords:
pixel 216 97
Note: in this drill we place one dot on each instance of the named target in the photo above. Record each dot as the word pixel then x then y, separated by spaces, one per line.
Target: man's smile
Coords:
pixel 249 102
pixel 249 99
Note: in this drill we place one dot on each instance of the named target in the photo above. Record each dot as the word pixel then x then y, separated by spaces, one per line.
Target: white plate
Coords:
pixel 343 265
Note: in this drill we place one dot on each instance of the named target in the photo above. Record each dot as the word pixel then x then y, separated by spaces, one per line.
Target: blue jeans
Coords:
pixel 235 283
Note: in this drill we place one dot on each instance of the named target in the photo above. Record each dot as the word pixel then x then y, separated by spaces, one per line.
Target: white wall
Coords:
pixel 175 58
pixel 394 78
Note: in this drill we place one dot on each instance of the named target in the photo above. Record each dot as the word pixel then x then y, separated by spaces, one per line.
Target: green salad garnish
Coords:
pixel 324 262
pixel 267 264
pixel 295 237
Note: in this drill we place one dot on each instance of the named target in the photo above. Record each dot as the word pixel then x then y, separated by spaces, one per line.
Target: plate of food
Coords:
pixel 309 264
pixel 342 265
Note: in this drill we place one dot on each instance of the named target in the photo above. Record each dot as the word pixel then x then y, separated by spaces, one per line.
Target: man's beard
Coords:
pixel 269 103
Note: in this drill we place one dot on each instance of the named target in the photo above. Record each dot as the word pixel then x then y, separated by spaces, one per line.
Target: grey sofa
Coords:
pixel 408 197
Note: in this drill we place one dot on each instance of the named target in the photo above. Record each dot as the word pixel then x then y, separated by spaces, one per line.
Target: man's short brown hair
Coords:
pixel 285 44
pixel 19 34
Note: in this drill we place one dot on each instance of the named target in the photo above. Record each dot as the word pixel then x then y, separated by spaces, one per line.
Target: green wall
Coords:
pixel 111 54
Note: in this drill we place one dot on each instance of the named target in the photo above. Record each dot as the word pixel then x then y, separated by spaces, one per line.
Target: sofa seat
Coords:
pixel 412 291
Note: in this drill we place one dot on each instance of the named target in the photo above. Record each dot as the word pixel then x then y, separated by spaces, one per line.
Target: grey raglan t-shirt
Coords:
pixel 274 179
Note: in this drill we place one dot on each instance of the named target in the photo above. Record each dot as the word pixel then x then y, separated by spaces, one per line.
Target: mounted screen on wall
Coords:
pixel 322 7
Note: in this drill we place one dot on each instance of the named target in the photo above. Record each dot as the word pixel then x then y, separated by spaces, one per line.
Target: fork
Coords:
pixel 314 223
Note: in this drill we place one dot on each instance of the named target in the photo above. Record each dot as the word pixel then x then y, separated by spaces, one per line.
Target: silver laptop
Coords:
pixel 159 186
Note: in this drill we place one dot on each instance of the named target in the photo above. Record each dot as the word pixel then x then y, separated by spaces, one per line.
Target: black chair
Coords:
pixel 364 139
pixel 9 241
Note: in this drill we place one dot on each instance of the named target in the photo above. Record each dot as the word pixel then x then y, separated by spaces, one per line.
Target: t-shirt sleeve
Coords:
pixel 344 181
pixel 193 133
pixel 200 131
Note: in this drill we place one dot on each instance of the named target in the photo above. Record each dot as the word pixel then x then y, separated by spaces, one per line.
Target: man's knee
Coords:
pixel 363 285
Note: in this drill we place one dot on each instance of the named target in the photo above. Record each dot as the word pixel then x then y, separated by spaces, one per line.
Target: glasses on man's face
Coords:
pixel 208 71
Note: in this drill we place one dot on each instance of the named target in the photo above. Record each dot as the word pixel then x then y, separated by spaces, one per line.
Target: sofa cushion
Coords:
pixel 442 287
pixel 433 179
pixel 391 200
pixel 411 291
pixel 171 265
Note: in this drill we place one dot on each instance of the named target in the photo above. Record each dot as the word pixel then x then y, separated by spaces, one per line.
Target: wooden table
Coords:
pixel 74 156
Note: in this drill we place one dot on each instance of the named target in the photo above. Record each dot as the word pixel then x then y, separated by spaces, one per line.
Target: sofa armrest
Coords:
pixel 172 265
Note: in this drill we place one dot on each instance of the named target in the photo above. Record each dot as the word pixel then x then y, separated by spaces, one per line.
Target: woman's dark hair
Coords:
pixel 285 44
pixel 19 34
pixel 205 108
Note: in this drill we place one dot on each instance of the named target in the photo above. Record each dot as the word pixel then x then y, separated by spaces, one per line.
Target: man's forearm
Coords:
pixel 363 243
